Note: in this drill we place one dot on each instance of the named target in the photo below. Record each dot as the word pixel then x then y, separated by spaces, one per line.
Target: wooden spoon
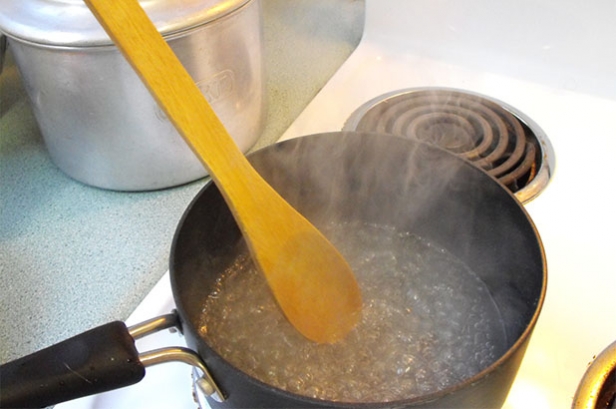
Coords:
pixel 310 280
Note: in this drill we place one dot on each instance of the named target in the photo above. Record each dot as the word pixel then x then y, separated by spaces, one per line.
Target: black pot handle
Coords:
pixel 95 361
pixel 99 360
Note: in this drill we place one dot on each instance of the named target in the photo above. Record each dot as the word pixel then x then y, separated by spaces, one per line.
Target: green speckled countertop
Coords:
pixel 73 257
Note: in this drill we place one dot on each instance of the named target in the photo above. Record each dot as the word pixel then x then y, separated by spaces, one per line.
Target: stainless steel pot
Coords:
pixel 99 122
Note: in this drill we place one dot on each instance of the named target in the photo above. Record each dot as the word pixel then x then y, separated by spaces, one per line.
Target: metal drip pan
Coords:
pixel 489 133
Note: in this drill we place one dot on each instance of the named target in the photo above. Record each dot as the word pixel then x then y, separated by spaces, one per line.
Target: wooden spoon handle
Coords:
pixel 311 281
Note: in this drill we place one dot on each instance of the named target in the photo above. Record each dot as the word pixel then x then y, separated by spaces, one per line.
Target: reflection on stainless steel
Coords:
pixel 153 325
pixel 494 136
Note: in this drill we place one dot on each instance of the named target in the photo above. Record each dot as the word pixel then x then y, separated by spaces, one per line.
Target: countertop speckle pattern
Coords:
pixel 73 256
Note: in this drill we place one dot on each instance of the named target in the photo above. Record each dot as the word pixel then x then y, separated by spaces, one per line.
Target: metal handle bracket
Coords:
pixel 205 381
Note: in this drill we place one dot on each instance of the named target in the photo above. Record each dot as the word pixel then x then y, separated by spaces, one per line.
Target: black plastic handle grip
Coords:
pixel 95 361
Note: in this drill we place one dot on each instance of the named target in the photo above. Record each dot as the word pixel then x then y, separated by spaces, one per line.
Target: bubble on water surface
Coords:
pixel 428 322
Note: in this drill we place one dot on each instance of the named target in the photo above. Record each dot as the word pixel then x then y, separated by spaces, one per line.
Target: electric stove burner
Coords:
pixel 487 132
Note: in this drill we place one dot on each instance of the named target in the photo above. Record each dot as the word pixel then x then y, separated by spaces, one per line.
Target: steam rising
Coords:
pixel 410 188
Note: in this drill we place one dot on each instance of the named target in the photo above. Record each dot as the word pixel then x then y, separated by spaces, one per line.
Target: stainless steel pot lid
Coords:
pixel 69 23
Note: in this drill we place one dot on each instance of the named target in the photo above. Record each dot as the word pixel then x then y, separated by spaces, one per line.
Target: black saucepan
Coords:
pixel 338 176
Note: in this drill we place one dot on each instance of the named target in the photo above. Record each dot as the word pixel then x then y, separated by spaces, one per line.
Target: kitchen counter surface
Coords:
pixel 72 256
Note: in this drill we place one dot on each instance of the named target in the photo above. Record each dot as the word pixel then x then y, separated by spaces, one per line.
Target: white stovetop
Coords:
pixel 553 61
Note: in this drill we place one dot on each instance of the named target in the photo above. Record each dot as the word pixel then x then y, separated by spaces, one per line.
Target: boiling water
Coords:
pixel 428 322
